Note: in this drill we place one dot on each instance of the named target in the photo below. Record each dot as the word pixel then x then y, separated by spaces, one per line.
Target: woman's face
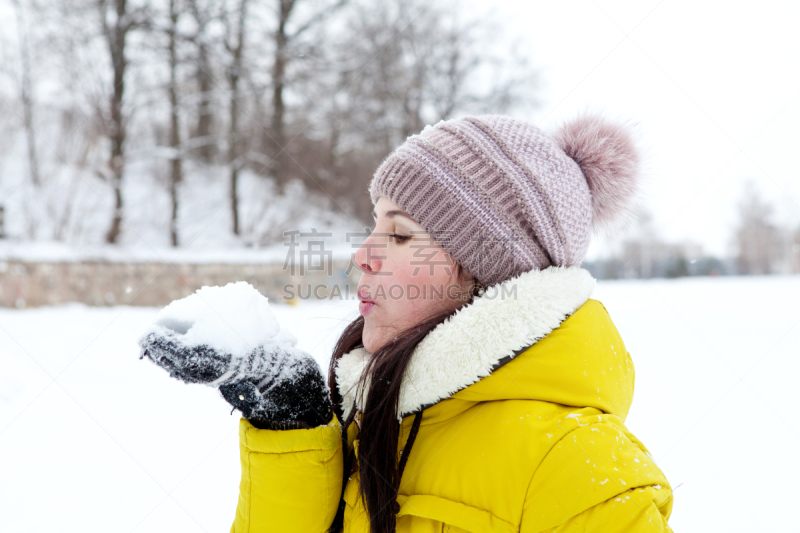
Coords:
pixel 407 277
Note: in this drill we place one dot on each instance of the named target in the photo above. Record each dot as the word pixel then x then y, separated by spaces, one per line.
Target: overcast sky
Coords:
pixel 714 86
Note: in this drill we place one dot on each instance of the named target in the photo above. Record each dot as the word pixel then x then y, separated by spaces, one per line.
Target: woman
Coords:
pixel 481 388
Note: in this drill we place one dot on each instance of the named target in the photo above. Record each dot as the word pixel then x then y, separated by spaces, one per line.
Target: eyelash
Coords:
pixel 400 239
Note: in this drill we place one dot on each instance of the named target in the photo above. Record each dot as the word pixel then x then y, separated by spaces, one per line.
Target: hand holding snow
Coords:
pixel 234 319
pixel 227 337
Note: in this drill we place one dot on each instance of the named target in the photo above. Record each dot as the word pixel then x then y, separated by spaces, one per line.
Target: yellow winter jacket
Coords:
pixel 522 429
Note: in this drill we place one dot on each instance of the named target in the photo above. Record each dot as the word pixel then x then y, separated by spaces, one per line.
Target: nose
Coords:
pixel 368 257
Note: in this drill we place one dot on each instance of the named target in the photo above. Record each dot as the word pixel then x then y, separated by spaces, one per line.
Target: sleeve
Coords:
pixel 291 478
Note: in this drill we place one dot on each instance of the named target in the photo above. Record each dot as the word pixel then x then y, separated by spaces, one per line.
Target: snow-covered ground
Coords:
pixel 94 439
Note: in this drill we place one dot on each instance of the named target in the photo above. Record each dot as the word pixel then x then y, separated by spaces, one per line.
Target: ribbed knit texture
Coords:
pixel 495 192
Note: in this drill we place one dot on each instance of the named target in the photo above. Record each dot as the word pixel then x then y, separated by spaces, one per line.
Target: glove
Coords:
pixel 275 386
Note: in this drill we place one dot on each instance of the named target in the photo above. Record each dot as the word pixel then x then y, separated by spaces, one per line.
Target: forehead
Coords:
pixel 384 204
pixel 385 208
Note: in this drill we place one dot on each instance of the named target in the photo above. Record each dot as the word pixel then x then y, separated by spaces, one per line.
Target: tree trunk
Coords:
pixel 234 73
pixel 232 155
pixel 115 37
pixel 205 115
pixel 26 94
pixel 279 160
pixel 176 174
pixel 205 85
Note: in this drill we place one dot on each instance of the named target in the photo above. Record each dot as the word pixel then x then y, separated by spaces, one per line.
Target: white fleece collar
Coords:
pixel 470 344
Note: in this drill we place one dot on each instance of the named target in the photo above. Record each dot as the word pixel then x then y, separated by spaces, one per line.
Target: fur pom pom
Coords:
pixel 609 160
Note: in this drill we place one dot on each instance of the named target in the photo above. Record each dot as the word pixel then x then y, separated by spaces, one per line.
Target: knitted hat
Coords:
pixel 504 198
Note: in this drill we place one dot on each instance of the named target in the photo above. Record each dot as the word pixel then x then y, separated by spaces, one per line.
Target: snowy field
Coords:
pixel 92 439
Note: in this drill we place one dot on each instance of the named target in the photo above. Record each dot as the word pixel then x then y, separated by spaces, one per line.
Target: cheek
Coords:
pixel 425 268
pixel 424 279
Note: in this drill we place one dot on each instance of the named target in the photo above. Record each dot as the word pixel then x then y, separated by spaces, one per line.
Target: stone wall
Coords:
pixel 32 284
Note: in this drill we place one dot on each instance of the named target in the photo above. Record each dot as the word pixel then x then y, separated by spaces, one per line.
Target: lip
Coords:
pixel 365 303
pixel 365 308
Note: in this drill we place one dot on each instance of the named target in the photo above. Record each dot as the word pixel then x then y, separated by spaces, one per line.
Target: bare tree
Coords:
pixel 403 64
pixel 758 239
pixel 235 34
pixel 285 8
pixel 117 22
pixel 176 162
pixel 26 92
pixel 201 11
pixel 308 91
pixel 286 44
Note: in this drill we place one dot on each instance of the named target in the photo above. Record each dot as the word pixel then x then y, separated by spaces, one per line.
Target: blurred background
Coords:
pixel 149 147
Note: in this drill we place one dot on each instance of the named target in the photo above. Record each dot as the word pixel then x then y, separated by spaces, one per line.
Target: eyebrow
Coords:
pixel 393 212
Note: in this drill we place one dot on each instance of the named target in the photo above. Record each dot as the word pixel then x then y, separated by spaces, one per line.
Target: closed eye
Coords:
pixel 400 239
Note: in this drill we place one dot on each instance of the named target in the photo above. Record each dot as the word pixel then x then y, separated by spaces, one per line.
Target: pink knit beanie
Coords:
pixel 504 198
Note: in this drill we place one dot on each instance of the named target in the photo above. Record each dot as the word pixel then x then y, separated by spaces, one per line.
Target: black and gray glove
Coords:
pixel 275 386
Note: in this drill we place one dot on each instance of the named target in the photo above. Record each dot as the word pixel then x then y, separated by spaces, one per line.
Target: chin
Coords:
pixel 371 342
pixel 371 346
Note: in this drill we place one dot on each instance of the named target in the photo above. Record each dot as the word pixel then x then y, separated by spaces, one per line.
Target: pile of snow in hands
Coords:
pixel 234 319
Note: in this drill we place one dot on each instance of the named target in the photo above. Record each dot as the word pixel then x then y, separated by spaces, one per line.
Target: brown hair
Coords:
pixel 379 433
